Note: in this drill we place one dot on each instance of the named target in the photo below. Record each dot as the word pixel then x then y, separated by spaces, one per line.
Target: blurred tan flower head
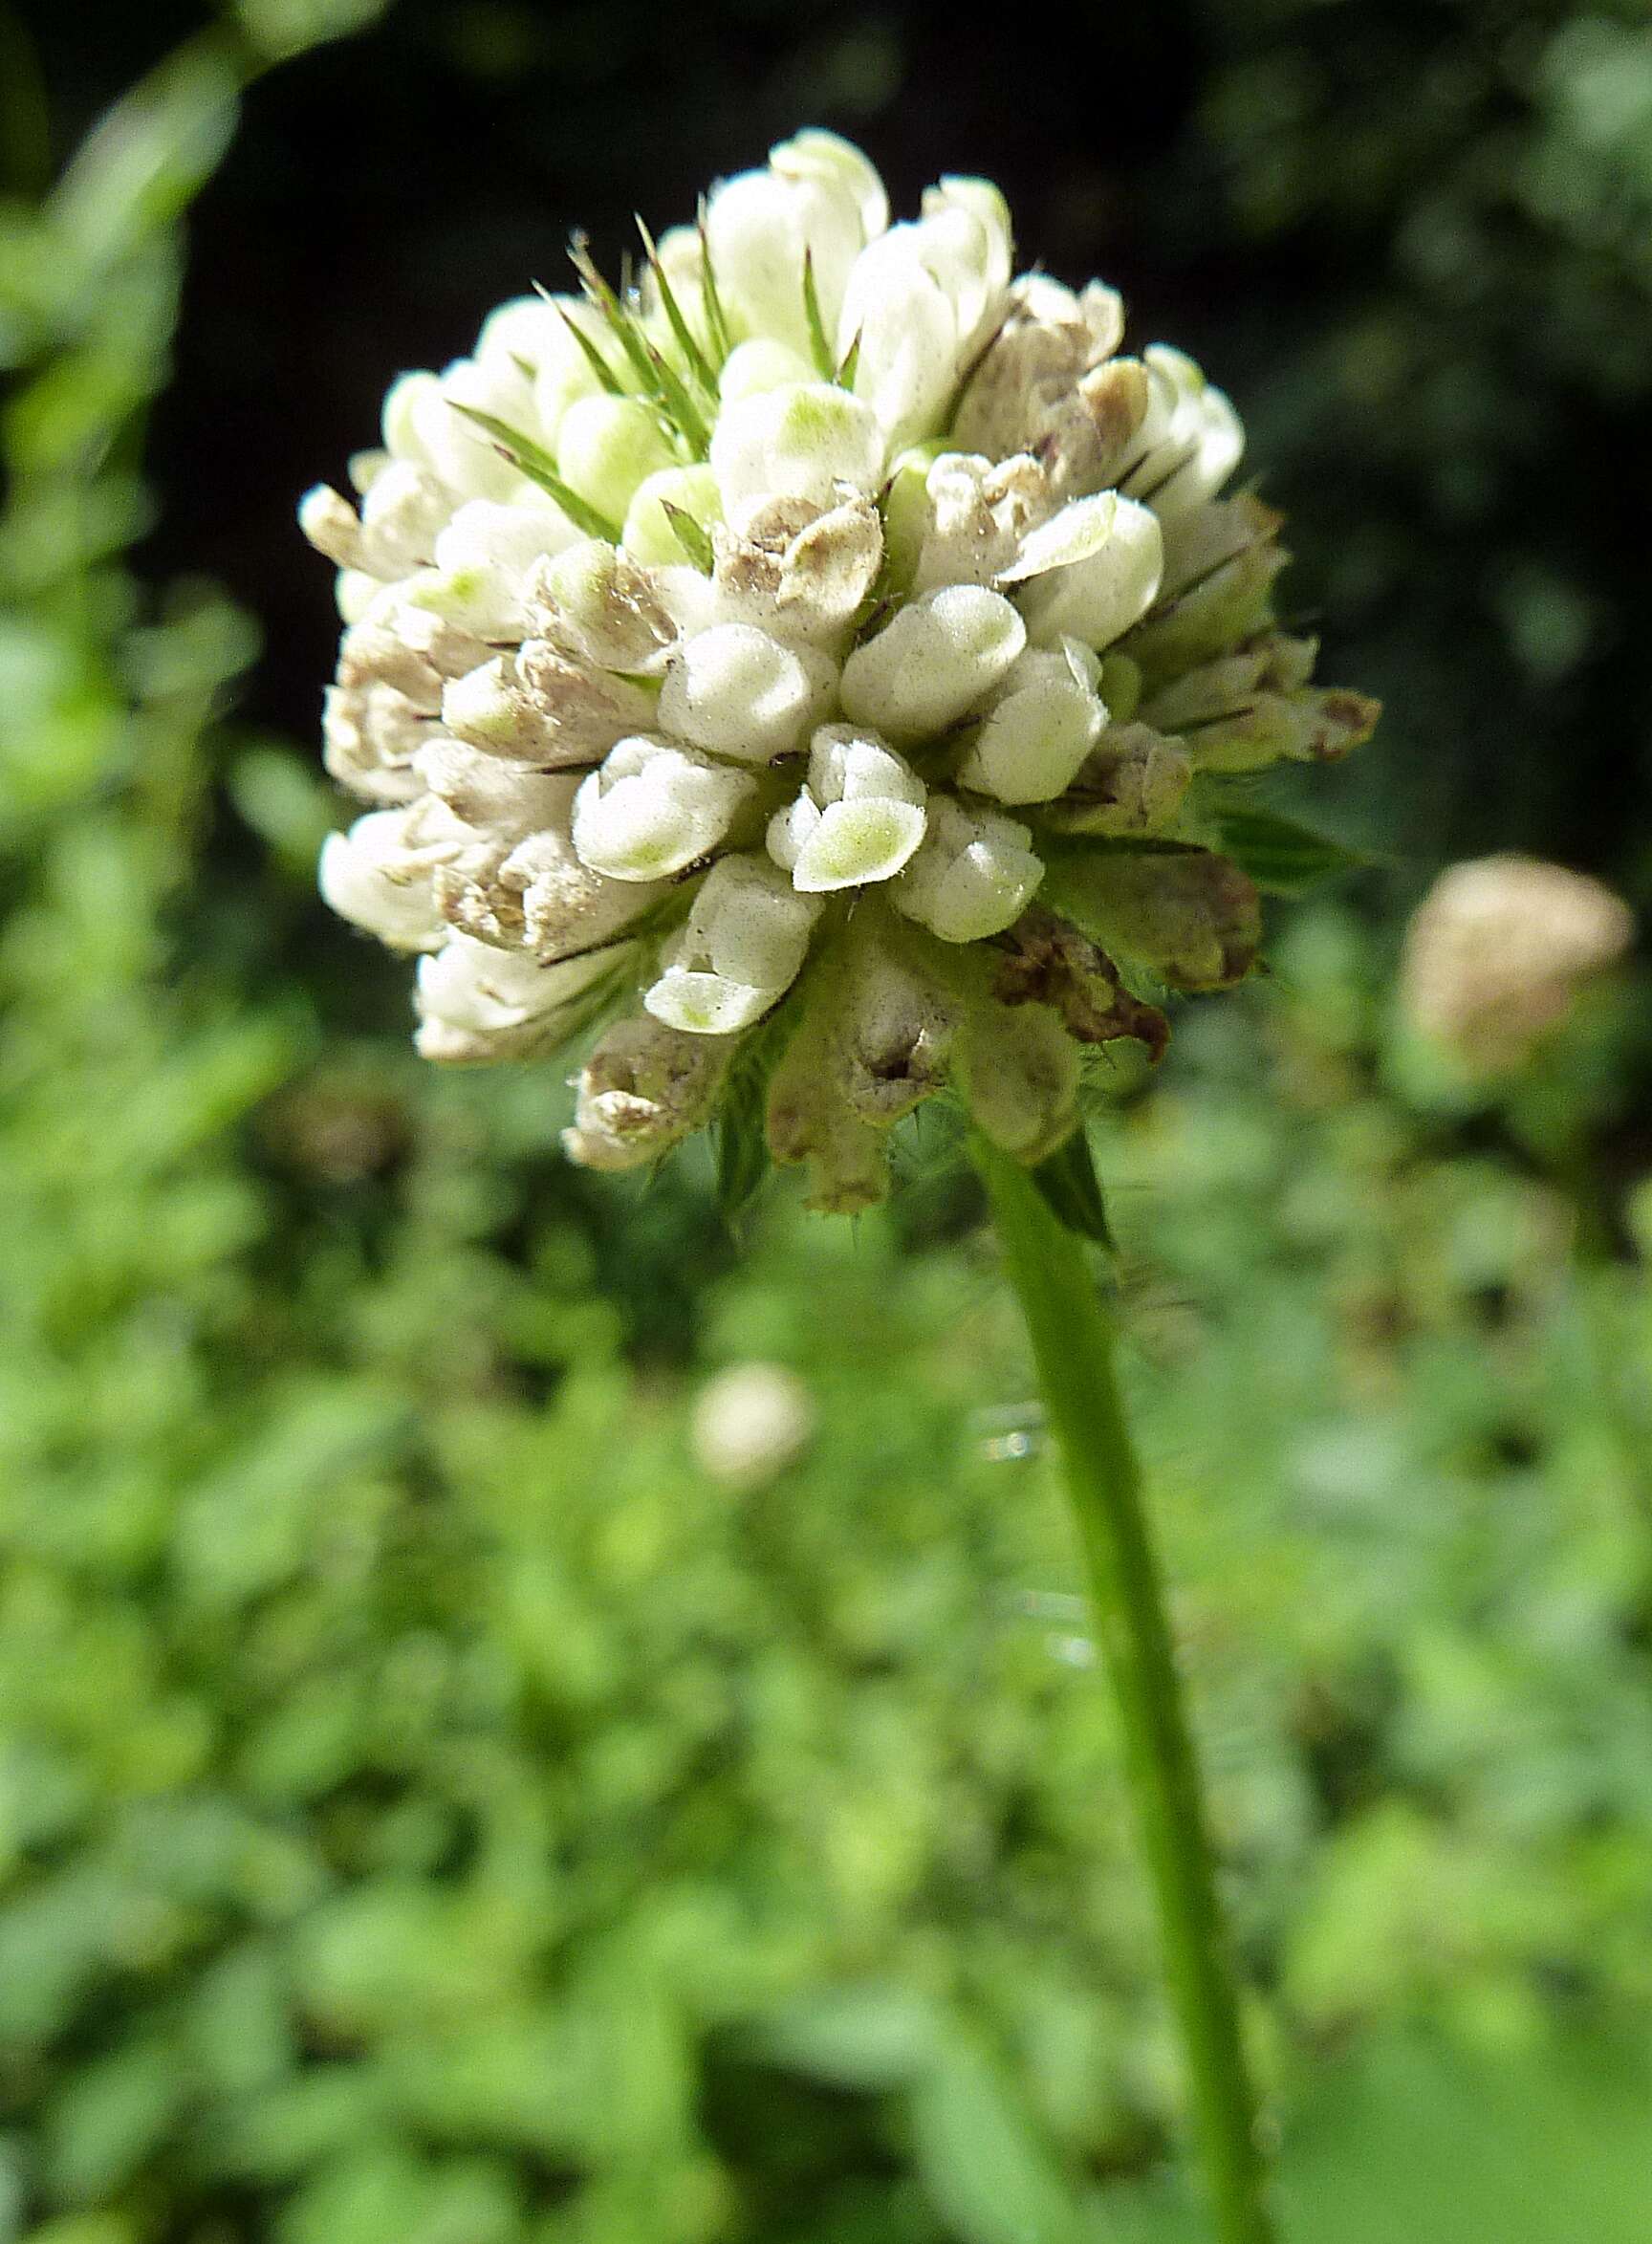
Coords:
pixel 1496 954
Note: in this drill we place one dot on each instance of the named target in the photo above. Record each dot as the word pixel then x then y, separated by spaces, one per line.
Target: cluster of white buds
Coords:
pixel 824 656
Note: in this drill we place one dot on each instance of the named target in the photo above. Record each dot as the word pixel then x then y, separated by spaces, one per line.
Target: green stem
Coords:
pixel 1071 1335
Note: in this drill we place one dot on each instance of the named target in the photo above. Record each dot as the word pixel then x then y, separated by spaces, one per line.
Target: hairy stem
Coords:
pixel 1071 1335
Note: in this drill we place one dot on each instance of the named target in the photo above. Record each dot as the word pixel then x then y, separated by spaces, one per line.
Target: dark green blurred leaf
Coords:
pixel 1282 856
pixel 1069 1183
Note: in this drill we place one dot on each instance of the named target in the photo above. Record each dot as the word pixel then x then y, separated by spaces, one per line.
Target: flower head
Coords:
pixel 820 664
pixel 1497 954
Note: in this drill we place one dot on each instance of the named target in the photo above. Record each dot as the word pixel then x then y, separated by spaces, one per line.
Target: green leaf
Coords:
pixel 1073 1190
pixel 980 2158
pixel 540 467
pixel 1282 856
pixel 872 2037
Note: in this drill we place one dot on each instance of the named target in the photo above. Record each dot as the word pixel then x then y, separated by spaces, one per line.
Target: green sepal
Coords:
pixel 1071 1190
pixel 658 382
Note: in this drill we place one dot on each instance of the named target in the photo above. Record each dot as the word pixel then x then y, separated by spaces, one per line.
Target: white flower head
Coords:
pixel 765 656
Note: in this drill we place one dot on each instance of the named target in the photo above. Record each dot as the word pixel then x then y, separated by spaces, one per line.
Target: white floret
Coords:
pixel 652 808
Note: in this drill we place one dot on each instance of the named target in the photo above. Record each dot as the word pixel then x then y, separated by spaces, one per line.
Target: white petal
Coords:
pixel 868 840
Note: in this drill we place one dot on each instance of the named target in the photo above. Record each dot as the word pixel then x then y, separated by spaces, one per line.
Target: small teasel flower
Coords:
pixel 1498 952
pixel 824 670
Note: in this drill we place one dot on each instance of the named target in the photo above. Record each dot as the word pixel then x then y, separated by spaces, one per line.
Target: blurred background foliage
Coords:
pixel 434 1808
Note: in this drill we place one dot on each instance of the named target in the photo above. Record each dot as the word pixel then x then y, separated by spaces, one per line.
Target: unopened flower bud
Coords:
pixel 741 951
pixel 654 532
pixel 761 364
pixel 933 662
pixel 972 876
pixel 434 426
pixel 483 561
pixel 653 808
pixel 811 202
pixel 736 693
pixel 1271 665
pixel 354 591
pixel 1220 565
pixel 1041 729
pixel 1089 572
pixel 809 441
pixel 331 524
pixel 404 512
pixel 562 373
pixel 858 819
pixel 1201 444
pixel 1304 728
pixel 379 874
pixel 606 447
pixel 644 1088
pixel 917 301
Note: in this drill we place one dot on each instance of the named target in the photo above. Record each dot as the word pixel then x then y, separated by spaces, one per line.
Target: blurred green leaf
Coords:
pixel 1283 858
